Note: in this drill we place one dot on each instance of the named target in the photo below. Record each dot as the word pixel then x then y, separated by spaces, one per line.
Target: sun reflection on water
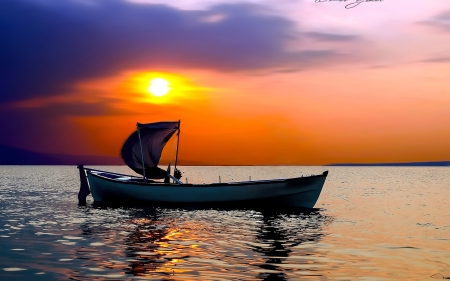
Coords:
pixel 177 244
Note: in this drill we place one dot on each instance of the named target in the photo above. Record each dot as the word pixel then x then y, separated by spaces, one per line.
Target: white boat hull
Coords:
pixel 296 192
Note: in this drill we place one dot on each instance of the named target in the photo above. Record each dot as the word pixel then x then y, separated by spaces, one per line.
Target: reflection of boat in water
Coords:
pixel 277 241
pixel 199 243
pixel 142 151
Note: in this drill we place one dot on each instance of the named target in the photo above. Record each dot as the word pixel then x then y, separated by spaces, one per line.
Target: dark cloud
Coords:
pixel 437 60
pixel 331 37
pixel 376 66
pixel 50 126
pixel 47 47
pixel 441 21
pixel 30 128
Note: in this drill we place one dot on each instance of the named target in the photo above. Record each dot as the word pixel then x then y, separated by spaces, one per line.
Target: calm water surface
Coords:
pixel 371 223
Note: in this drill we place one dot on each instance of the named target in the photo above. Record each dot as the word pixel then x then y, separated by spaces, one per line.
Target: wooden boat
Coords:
pixel 142 151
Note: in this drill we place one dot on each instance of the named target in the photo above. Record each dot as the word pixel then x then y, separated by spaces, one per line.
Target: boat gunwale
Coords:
pixel 324 174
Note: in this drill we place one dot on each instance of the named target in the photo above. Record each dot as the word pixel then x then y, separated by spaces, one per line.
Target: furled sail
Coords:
pixel 153 137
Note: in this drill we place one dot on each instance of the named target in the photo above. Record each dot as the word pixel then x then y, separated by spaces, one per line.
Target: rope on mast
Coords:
pixel 177 173
pixel 172 152
pixel 178 142
pixel 142 154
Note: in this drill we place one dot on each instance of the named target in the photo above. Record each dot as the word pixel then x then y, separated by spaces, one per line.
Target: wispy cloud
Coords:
pixel 331 37
pixel 441 21
pixel 436 60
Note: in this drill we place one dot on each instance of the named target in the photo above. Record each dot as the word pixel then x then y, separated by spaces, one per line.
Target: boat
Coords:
pixel 142 152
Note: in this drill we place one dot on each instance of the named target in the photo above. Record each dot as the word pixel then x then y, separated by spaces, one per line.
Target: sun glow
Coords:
pixel 159 87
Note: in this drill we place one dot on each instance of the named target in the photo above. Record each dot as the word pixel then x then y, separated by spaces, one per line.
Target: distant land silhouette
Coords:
pixel 437 163
pixel 15 156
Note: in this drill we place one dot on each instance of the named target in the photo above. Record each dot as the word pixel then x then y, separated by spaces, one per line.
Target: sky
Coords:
pixel 270 82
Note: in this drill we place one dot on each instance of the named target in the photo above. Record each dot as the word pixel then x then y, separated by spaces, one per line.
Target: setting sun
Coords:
pixel 159 87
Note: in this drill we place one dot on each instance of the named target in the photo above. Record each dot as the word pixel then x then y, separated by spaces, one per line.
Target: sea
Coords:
pixel 370 223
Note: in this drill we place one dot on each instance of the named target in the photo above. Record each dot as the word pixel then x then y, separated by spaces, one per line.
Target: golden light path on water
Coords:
pixel 373 224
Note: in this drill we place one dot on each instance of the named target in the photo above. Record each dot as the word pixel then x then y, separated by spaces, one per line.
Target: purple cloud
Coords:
pixel 441 21
pixel 437 60
pixel 47 47
pixel 320 36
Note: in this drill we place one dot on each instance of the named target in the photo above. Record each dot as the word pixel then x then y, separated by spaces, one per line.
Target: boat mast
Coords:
pixel 178 142
pixel 142 154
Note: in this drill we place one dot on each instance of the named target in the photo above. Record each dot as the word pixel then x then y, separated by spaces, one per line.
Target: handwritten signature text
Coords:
pixel 350 5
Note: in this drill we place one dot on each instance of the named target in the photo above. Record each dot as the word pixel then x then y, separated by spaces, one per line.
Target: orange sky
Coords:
pixel 312 117
pixel 336 92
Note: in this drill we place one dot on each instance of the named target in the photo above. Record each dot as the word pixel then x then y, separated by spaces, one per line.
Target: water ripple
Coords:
pixel 387 228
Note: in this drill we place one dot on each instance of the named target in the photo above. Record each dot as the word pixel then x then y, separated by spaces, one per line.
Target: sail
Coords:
pixel 153 138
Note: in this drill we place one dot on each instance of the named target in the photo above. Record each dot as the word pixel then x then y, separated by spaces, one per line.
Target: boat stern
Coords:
pixel 84 186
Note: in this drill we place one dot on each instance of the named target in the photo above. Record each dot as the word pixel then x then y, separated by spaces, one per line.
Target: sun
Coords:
pixel 159 87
